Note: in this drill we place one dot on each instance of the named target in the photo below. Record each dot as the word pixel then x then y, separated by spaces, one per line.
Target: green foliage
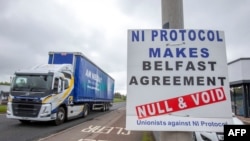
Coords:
pixel 4 83
pixel 147 136
pixel 118 100
pixel 119 97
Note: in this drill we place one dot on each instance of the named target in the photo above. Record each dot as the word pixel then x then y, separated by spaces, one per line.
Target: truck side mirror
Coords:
pixel 56 85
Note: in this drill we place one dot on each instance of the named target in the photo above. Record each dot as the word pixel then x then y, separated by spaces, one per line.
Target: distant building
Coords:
pixel 4 93
pixel 239 78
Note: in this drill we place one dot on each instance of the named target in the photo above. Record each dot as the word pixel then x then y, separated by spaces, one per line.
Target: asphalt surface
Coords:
pixel 13 130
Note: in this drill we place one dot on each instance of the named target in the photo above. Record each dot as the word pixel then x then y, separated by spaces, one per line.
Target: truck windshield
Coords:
pixel 36 83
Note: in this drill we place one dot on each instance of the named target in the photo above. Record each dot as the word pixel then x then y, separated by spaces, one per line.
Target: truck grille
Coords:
pixel 26 110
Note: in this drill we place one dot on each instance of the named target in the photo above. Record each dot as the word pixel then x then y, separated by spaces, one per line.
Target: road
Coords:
pixel 13 130
pixel 107 127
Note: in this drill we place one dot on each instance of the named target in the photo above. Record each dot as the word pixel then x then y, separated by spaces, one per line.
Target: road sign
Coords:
pixel 177 80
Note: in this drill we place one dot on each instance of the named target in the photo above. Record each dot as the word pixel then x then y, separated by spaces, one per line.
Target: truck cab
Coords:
pixel 36 94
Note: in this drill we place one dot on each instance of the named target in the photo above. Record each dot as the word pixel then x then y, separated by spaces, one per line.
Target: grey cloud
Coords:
pixel 30 29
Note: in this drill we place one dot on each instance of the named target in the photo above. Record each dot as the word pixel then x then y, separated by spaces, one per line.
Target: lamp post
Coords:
pixel 172 18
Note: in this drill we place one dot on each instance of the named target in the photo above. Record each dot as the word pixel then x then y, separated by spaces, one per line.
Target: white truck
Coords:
pixel 69 86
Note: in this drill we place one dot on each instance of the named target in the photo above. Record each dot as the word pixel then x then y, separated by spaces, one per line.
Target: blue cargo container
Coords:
pixel 91 83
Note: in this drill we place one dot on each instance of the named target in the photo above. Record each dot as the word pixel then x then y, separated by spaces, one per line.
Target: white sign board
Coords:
pixel 177 80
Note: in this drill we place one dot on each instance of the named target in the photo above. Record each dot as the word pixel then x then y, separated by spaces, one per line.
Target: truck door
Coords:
pixel 57 88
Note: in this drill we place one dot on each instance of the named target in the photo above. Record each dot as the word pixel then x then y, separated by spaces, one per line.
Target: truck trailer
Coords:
pixel 69 86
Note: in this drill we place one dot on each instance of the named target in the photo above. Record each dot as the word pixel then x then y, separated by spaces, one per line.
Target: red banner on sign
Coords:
pixel 181 103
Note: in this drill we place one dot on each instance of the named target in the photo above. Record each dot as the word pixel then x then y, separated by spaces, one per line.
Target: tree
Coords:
pixel 4 83
pixel 118 95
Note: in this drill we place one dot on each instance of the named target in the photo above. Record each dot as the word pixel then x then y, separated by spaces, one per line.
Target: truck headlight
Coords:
pixel 46 110
pixel 8 110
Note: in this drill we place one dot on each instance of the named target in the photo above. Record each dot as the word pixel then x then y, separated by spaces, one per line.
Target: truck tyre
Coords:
pixel 107 107
pixel 85 111
pixel 60 116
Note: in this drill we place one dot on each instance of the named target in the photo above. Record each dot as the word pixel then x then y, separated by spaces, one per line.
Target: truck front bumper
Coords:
pixel 30 112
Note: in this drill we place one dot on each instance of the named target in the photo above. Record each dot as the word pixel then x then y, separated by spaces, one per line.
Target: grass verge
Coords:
pixel 118 100
pixel 3 108
pixel 147 136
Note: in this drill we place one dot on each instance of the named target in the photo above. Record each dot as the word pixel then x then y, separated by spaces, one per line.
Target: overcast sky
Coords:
pixel 29 29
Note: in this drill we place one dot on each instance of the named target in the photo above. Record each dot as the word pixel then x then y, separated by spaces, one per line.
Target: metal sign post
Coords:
pixel 172 17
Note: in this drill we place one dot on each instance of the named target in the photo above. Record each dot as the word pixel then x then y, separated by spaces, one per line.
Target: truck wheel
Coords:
pixel 60 116
pixel 107 107
pixel 85 110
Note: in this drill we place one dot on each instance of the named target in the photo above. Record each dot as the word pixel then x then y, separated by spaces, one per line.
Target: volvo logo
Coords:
pixel 27 94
